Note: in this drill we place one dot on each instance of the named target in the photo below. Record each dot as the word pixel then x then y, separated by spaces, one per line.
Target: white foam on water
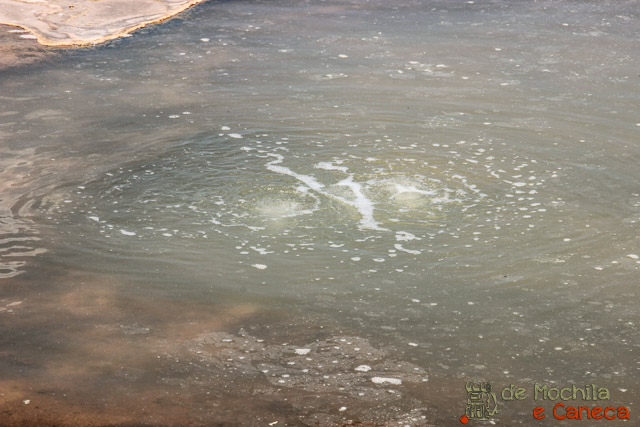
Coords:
pixel 470 187
pixel 404 236
pixel 331 167
pixel 361 203
pixel 127 233
pixel 399 247
pixel 408 193
pixel 441 200
pixel 308 180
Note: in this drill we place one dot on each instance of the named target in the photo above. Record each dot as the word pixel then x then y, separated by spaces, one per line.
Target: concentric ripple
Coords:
pixel 262 197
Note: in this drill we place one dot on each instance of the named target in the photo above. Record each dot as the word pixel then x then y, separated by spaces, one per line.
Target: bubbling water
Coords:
pixel 272 201
pixel 275 209
pixel 396 172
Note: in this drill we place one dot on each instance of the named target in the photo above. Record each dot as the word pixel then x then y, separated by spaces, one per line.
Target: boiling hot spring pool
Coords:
pixel 323 214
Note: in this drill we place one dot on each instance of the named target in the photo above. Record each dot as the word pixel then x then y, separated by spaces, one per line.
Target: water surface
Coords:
pixel 257 198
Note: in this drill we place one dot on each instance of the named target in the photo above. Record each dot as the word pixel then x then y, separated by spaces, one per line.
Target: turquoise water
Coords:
pixel 439 191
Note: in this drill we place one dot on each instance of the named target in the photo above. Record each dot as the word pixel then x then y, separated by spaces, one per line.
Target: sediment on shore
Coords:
pixel 80 23
pixel 16 50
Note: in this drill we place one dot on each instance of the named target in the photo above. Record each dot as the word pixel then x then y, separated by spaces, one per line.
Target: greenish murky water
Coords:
pixel 256 211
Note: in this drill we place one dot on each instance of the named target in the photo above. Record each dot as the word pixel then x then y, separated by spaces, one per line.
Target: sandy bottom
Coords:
pixel 76 351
